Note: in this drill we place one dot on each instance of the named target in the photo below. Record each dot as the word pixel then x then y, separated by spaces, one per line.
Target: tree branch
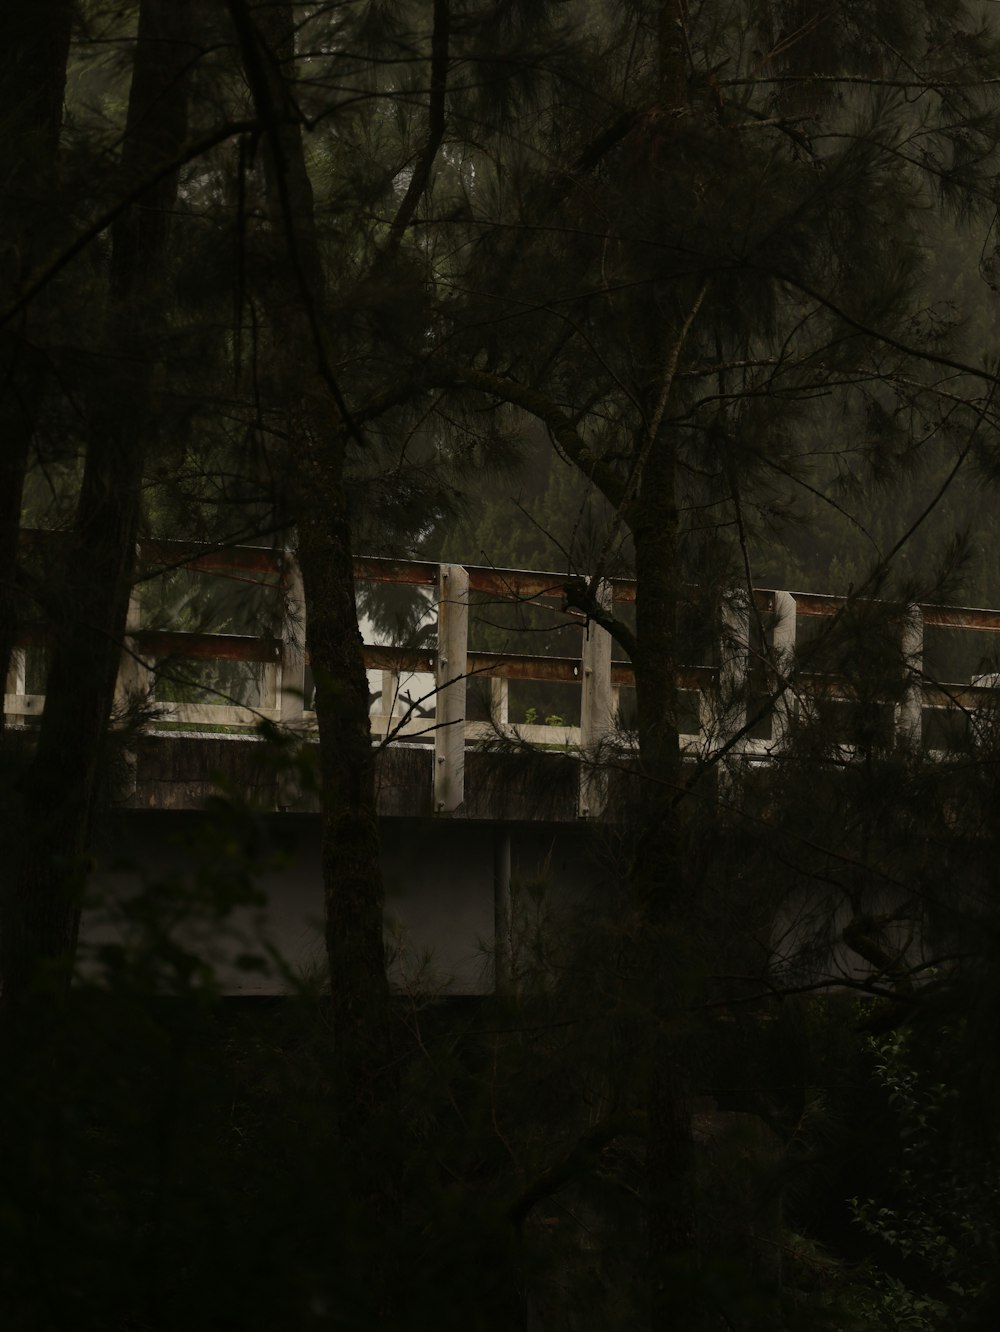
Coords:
pixel 666 387
pixel 578 1160
pixel 866 80
pixel 54 267
pixel 435 130
pixel 581 594
pixel 542 407
pixel 918 354
pixel 280 119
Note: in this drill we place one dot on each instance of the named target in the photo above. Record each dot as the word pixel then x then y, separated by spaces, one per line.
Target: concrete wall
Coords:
pixel 439 879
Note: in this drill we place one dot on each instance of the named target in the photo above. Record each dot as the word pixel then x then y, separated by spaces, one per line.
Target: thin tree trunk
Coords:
pixel 310 403
pixel 673 53
pixel 352 875
pixel 667 909
pixel 666 888
pixel 58 790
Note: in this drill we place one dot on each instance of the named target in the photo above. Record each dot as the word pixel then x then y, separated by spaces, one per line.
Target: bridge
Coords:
pixel 460 824
pixel 445 699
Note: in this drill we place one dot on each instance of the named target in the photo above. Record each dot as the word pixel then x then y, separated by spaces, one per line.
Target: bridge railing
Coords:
pixel 747 697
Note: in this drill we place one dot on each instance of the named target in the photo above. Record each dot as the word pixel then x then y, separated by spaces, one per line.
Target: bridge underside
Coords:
pixel 516 850
pixel 448 880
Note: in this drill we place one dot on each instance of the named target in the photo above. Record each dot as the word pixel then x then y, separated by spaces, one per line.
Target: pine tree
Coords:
pixel 730 235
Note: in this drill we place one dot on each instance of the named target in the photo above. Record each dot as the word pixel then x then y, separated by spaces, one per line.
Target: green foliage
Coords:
pixel 938 1231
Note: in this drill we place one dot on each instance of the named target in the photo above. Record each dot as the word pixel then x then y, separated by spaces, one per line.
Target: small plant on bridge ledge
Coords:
pixel 552 719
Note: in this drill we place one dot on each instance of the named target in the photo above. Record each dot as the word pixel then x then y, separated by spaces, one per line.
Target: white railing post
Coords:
pixel 291 690
pixel 388 708
pixel 389 696
pixel 450 681
pixel 783 637
pixel 15 684
pixel 729 714
pixel 134 674
pixel 290 701
pixel 909 710
pixel 596 715
pixel 499 701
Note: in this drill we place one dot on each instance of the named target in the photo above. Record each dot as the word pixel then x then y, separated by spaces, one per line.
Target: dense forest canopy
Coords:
pixel 699 294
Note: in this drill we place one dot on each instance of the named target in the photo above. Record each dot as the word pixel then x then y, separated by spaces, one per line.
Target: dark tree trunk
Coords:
pixel 666 889
pixel 35 43
pixel 309 401
pixel 352 875
pixel 665 895
pixel 58 789
pixel 673 53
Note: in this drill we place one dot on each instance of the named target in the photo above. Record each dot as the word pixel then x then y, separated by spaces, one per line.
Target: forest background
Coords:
pixel 703 295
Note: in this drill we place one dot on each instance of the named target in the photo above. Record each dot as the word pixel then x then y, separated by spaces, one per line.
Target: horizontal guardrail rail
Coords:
pixel 752 685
